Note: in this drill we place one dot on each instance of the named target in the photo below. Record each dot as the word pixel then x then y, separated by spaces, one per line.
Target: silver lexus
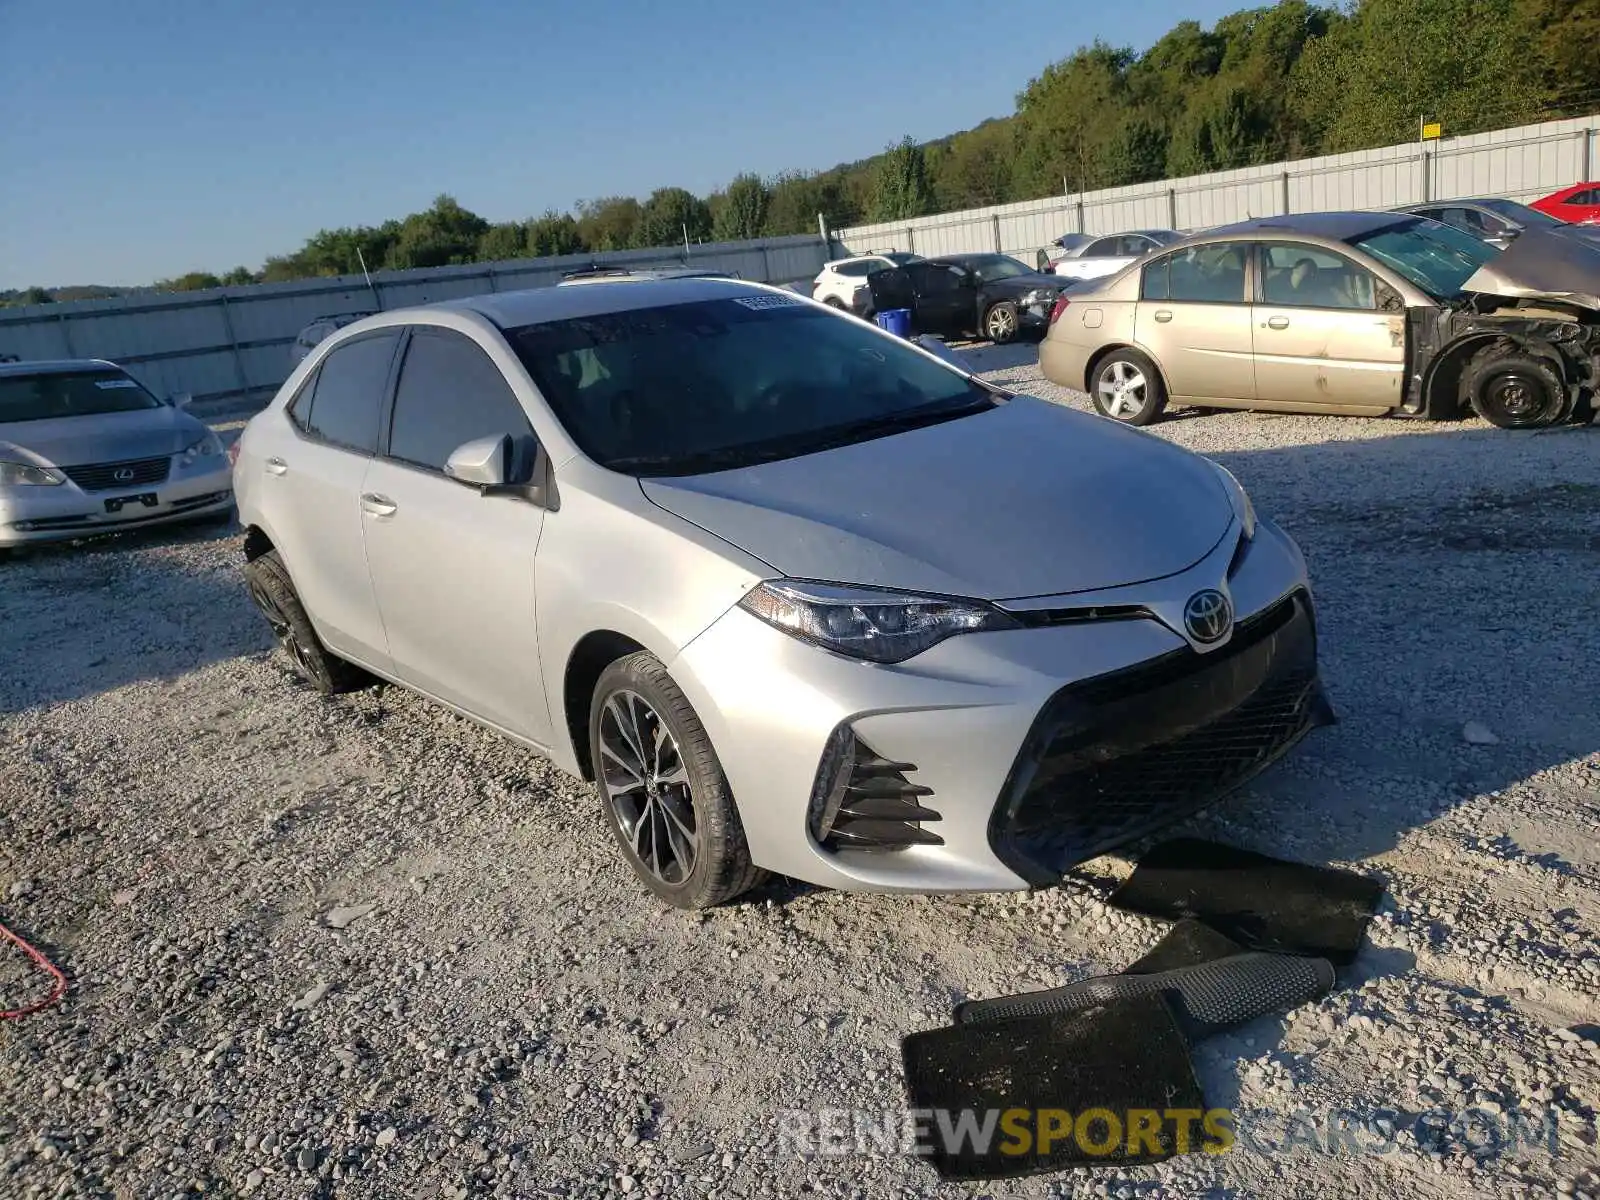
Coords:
pixel 85 449
pixel 797 595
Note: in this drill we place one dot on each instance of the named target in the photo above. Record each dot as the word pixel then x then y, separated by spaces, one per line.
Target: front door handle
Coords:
pixel 276 466
pixel 1164 315
pixel 1278 322
pixel 378 506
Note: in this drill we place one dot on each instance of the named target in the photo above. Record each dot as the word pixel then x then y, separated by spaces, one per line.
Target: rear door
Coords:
pixel 1321 339
pixel 311 489
pixel 1193 316
pixel 891 288
pixel 451 567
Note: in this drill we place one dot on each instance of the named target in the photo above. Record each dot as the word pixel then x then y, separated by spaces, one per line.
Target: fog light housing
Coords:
pixel 863 801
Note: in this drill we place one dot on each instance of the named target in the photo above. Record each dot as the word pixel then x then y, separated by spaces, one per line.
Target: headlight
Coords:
pixel 1242 508
pixel 209 446
pixel 15 474
pixel 879 626
pixel 1040 296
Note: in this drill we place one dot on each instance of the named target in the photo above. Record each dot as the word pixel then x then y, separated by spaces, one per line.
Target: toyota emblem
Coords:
pixel 123 475
pixel 1208 616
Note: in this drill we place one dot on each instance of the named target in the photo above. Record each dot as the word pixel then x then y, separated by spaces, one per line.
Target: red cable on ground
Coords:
pixel 45 965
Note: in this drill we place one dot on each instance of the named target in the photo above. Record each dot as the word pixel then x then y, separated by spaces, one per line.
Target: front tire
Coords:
pixel 1511 389
pixel 1001 322
pixel 273 592
pixel 1127 388
pixel 834 302
pixel 662 789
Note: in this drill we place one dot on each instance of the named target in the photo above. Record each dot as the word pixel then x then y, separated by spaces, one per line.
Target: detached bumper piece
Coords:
pixel 1116 757
pixel 863 801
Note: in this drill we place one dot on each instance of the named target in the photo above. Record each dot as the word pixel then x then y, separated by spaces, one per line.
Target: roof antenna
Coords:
pixel 362 259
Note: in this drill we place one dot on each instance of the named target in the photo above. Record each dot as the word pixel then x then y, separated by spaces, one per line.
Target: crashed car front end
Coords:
pixel 1527 322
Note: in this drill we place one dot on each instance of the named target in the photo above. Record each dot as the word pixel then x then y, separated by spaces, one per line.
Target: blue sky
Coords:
pixel 145 138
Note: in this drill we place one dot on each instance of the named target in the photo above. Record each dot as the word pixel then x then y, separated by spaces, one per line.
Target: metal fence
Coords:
pixel 1521 163
pixel 232 344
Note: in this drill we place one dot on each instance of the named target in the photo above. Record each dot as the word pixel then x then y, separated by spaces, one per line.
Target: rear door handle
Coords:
pixel 1164 315
pixel 1277 322
pixel 378 506
pixel 276 466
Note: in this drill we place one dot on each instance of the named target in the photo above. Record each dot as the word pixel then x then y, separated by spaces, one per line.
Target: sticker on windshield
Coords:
pixel 759 302
pixel 105 384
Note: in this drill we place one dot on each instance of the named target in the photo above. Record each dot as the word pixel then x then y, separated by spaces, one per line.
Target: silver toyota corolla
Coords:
pixel 797 595
pixel 85 449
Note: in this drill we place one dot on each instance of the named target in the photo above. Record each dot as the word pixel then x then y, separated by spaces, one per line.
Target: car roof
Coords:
pixel 532 306
pixel 1335 226
pixel 56 366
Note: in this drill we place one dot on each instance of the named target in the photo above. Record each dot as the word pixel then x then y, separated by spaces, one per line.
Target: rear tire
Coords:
pixel 1127 388
pixel 1512 389
pixel 662 789
pixel 834 302
pixel 274 594
pixel 1001 323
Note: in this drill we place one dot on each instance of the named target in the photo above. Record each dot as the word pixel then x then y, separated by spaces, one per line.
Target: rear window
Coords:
pixel 1209 274
pixel 54 395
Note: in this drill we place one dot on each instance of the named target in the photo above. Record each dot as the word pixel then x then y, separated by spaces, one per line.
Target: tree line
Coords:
pixel 1262 85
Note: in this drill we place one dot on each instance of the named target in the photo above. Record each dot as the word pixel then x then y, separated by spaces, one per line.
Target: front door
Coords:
pixel 1194 318
pixel 945 298
pixel 1322 341
pixel 453 568
pixel 314 478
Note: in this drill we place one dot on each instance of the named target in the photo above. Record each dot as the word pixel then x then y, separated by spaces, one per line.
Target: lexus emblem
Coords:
pixel 123 475
pixel 1208 616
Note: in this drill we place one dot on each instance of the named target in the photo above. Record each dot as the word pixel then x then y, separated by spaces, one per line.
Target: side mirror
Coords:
pixel 182 399
pixel 483 462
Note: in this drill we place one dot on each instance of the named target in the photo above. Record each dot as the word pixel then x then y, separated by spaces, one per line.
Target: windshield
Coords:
pixel 900 258
pixel 53 395
pixel 1439 259
pixel 716 384
pixel 1522 214
pixel 990 267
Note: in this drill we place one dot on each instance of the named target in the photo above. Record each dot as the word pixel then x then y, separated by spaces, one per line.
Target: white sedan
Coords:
pixel 1085 256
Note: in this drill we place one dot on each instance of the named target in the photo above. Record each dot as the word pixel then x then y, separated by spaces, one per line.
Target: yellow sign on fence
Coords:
pixel 1431 130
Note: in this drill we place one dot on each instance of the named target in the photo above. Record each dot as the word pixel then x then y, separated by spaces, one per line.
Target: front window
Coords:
pixel 717 384
pixel 54 395
pixel 1437 258
pixel 992 267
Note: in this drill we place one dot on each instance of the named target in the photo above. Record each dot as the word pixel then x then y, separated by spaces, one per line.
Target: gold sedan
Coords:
pixel 1360 312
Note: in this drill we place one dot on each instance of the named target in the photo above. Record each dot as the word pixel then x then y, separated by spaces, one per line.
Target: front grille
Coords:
pixel 105 477
pixel 1116 757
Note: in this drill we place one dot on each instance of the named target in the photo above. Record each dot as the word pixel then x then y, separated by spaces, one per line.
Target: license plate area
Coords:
pixel 143 500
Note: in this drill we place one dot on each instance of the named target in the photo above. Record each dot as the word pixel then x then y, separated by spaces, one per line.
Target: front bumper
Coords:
pixel 65 511
pixel 1034 748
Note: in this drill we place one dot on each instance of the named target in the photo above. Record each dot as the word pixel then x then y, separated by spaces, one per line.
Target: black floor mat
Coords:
pixel 1185 944
pixel 1120 1056
pixel 1260 902
pixel 1206 997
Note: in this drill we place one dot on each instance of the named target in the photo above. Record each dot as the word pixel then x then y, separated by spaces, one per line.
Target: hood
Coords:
pixel 104 437
pixel 1028 499
pixel 1543 265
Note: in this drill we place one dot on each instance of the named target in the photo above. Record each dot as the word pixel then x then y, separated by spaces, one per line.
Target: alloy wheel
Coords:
pixel 281 627
pixel 647 784
pixel 1123 389
pixel 1001 324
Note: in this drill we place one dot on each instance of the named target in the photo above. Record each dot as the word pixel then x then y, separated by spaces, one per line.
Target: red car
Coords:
pixel 1579 204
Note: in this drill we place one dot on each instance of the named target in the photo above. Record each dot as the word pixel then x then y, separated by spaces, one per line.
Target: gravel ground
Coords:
pixel 363 948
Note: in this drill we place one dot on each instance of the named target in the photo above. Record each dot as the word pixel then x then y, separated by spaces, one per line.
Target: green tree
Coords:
pixel 670 215
pixel 193 281
pixel 35 295
pixel 974 169
pixel 553 234
pixel 611 223
pixel 1059 148
pixel 238 277
pixel 443 235
pixel 509 239
pixel 741 211
pixel 902 188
